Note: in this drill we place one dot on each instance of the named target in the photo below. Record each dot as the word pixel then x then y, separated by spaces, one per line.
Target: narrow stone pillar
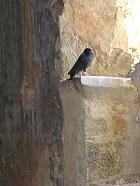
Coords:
pixel 101 132
pixel 31 118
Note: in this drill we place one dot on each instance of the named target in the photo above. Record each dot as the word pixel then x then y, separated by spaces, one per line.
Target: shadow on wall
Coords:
pixel 31 113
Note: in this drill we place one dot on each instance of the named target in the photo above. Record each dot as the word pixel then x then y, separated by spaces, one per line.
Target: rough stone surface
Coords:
pixel 100 129
pixel 120 63
pixel 31 119
pixel 39 42
pixel 96 24
pixel 134 75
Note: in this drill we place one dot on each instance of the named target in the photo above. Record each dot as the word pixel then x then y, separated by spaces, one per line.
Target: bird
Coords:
pixel 83 62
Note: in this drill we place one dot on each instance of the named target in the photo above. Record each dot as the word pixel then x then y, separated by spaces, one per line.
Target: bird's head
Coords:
pixel 88 50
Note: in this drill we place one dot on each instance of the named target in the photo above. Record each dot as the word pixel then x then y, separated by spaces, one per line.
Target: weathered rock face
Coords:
pixel 136 77
pixel 31 117
pixel 101 129
pixel 96 24
pixel 39 42
pixel 120 63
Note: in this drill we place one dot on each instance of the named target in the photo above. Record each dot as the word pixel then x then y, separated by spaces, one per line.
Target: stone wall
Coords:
pixel 31 118
pixel 101 130
pixel 39 42
pixel 96 24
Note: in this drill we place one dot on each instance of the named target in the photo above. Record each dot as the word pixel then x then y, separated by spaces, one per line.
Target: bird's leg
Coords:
pixel 85 73
pixel 81 73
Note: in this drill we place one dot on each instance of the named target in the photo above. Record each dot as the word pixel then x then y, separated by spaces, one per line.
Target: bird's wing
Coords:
pixel 78 65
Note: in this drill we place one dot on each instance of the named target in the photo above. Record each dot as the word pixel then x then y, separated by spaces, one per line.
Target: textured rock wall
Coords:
pixel 96 24
pixel 135 76
pixel 101 130
pixel 30 109
pixel 39 42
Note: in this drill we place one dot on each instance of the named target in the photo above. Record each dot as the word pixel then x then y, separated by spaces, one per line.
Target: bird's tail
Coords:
pixel 70 78
pixel 69 72
pixel 71 75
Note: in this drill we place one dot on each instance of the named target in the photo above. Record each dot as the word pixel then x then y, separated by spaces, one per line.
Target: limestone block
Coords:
pixel 101 134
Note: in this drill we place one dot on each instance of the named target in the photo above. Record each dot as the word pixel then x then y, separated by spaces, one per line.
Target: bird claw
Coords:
pixel 85 73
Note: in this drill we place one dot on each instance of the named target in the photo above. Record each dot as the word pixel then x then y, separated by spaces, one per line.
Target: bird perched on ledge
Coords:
pixel 82 63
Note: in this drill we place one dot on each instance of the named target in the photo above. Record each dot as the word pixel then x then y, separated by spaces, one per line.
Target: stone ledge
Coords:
pixel 105 81
pixel 103 87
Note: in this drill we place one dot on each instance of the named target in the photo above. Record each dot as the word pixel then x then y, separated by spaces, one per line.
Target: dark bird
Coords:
pixel 82 63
